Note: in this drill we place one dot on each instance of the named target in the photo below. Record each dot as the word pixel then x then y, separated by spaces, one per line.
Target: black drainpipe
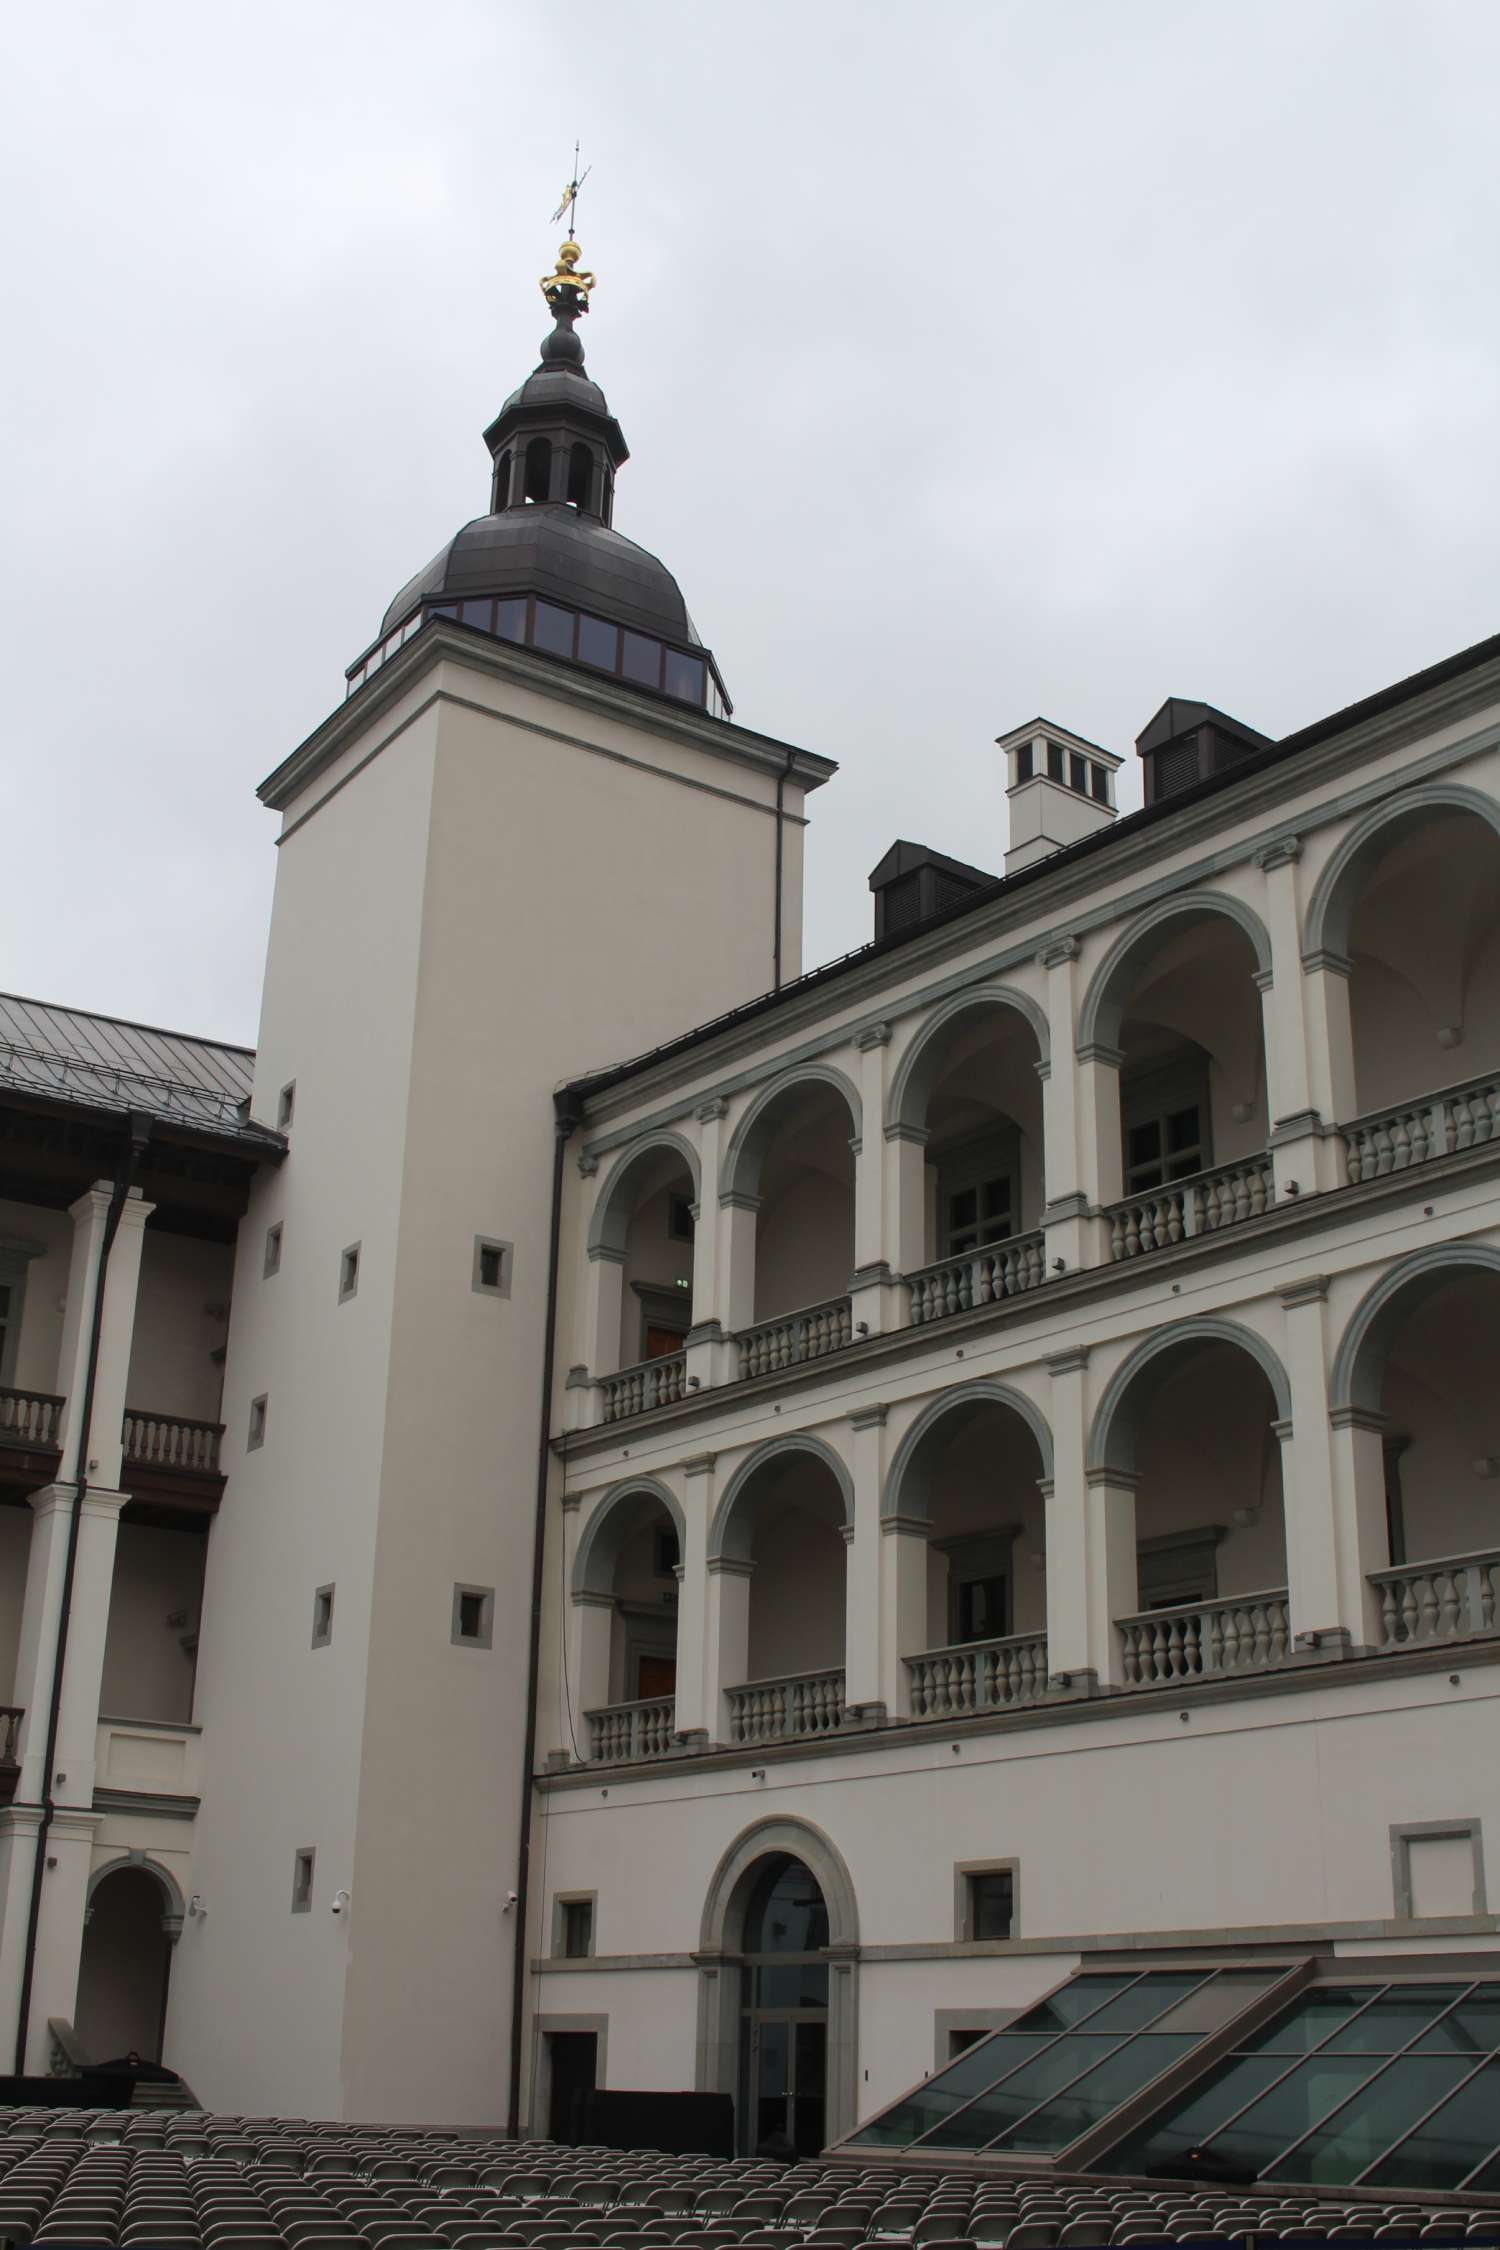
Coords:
pixel 780 857
pixel 566 1119
pixel 139 1133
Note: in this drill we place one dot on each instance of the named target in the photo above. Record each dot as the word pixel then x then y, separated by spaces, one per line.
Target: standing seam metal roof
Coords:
pixel 110 1063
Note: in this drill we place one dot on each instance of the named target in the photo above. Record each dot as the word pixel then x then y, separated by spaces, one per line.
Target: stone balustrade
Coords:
pixel 787 1710
pixel 977 1277
pixel 29 1417
pixel 1439 1124
pixel 635 1390
pixel 171 1441
pixel 808 1334
pixel 1454 1598
pixel 622 1733
pixel 1201 1204
pixel 1204 1640
pixel 1000 1675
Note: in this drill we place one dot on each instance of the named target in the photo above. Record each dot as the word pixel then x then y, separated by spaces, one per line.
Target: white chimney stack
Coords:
pixel 1060 787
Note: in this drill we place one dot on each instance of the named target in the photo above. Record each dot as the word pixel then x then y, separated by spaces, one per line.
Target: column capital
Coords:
pixel 134 1211
pixel 729 1566
pixel 1311 1291
pixel 1059 950
pixel 1263 979
pixel 731 1199
pixel 868 1417
pixel 600 1254
pixel 918 1135
pixel 1118 1480
pixel 909 1527
pixel 1283 1429
pixel 1358 1418
pixel 1070 1362
pixel 98 1500
pixel 588 1163
pixel 873 1035
pixel 1324 958
pixel 700 1465
pixel 1096 1051
pixel 715 1107
pixel 1281 851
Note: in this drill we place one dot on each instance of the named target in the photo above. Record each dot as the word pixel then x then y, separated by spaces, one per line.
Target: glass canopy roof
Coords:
pixel 1380 2083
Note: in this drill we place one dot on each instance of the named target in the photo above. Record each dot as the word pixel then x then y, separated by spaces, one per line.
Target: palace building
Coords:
pixel 607 1510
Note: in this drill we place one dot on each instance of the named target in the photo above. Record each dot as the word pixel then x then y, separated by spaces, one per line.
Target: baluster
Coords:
pixel 1223 1640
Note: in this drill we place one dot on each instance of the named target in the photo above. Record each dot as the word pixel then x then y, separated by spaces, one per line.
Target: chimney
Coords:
pixel 1060 787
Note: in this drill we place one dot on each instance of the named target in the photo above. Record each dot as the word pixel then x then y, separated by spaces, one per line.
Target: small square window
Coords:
pixel 473 1616
pixel 273 1250
pixel 575 1928
pixel 286 1103
pixel 348 1273
pixel 322 1632
pixel 987 1902
pixel 257 1432
pixel 492 1262
pixel 302 1878
pixel 680 1218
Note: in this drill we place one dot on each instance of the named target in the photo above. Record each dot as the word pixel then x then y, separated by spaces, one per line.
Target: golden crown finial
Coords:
pixel 567 289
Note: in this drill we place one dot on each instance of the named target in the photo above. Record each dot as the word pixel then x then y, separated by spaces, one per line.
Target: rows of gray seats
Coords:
pixel 192 2182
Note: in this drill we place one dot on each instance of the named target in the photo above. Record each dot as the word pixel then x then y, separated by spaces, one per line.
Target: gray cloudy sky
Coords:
pixel 975 360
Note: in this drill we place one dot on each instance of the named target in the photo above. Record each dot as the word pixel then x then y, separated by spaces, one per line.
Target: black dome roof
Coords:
pixel 553 550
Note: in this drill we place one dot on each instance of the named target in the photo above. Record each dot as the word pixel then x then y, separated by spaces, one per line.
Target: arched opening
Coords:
pixel 122 1975
pixel 501 495
pixel 538 469
pixel 781 1554
pixel 580 476
pixel 968 1549
pixel 1193 1430
pixel 782 2108
pixel 625 1583
pixel 652 1223
pixel 1422 907
pixel 971 1086
pixel 1181 1007
pixel 794 1169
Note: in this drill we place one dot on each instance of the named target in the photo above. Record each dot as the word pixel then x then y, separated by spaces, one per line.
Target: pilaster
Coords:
pixel 866 1682
pixel 88 1623
pixel 726 1636
pixel 1330 1051
pixel 877 1303
pixel 116 1329
pixel 696 1716
pixel 1065 1198
pixel 1333 1492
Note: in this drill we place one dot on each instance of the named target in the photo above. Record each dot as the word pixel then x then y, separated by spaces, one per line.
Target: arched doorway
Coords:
pixel 783 2073
pixel 122 1974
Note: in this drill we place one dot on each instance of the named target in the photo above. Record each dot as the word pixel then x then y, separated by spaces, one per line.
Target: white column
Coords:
pixel 709 1354
pixel 864 1675
pixel 1101 1155
pixel 90 1216
pixel 1066 1198
pixel 906 1196
pixel 1303 1156
pixel 1330 1048
pixel 695 1714
pixel 876 1303
pixel 607 1291
pixel 736 1298
pixel 903 1606
pixel 1333 1493
pixel 593 1623
pixel 726 1636
pixel 1091 1575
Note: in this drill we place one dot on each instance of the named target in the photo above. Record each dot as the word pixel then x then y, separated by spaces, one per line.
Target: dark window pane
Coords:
pixel 1076 1999
pixel 1078 774
pixel 1054 761
pixel 1144 2000
pixel 578 1929
pixel 982 1616
pixel 685 677
pixel 1101 785
pixel 1023 762
pixel 1352 2141
pixel 1232 2086
pixel 481 614
pixel 598 643
pixel 1307 2020
pixel 1391 2022
pixel 641 659
pixel 963 1208
pixel 1216 2001
pixel 1007 2104
pixel 992 1896
pixel 1182 1130
pixel 443 609
pixel 1473 2027
pixel 1145 1143
pixel 786 1912
pixel 1103 2089
pixel 1446 2149
pixel 997 1199
pixel 794 1984
pixel 977 2068
pixel 1486 2182
pixel 1291 2109
pixel 510 620
pixel 554 629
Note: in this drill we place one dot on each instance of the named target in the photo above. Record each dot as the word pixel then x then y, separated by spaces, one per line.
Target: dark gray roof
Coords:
pixel 104 1062
pixel 1180 713
pixel 553 551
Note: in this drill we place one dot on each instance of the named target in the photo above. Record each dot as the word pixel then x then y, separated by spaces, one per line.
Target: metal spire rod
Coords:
pixel 569 202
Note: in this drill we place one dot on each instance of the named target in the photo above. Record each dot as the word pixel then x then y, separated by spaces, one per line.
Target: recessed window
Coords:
pixel 554 628
pixel 575 1928
pixel 257 1431
pixel 1024 762
pixel 598 643
pixel 348 1272
pixel 1099 775
pixel 987 1904
pixel 640 659
pixel 492 1263
pixel 685 676
pixel 1163 1148
pixel 668 1553
pixel 1078 773
pixel 680 1218
pixel 473 1616
pixel 1054 761
pixel 286 1102
pixel 322 1632
pixel 273 1250
pixel 302 1878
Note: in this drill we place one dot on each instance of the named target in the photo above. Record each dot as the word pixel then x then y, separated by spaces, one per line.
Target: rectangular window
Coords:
pixel 680 1218
pixel 982 1607
pixel 1164 1148
pixel 1178 1569
pixel 473 1616
pixel 510 620
pixel 599 643
pixel 685 676
pixel 1054 761
pixel 575 1928
pixel 273 1250
pixel 554 628
pixel 257 1432
pixel 668 1555
pixel 640 659
pixel 348 1273
pixel 979 1215
pixel 987 1902
pixel 322 1632
pixel 1078 774
pixel 1099 775
pixel 491 1270
pixel 1024 764
pixel 286 1102
pixel 302 1878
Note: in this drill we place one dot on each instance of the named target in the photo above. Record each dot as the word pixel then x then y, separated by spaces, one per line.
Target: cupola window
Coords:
pixel 501 496
pixel 580 475
pixel 538 468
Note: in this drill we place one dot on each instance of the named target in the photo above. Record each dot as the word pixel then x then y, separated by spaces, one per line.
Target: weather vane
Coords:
pixel 567 289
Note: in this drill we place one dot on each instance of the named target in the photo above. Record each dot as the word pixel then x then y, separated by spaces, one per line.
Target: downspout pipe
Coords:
pixel 567 1114
pixel 138 1133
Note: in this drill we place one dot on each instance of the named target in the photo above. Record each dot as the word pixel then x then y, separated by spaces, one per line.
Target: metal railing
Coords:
pixel 797 1336
pixel 623 1732
pixel 977 1277
pixel 1201 1204
pixel 171 1441
pixel 1000 1675
pixel 789 1709
pixel 635 1390
pixel 1457 1117
pixel 29 1417
pixel 1200 1641
pixel 1453 1598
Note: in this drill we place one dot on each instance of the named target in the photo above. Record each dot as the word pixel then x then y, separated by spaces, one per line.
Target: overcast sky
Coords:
pixel 975 360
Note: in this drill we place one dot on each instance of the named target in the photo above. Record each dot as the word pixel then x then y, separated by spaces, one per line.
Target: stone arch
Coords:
pixel 1112 1438
pixel 174 1907
pixel 747 1144
pixel 612 1209
pixel 986 1391
pixel 1335 895
pixel 604 1533
pixel 799 1838
pixel 1103 1010
pixel 728 1533
pixel 920 1066
pixel 1359 1363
